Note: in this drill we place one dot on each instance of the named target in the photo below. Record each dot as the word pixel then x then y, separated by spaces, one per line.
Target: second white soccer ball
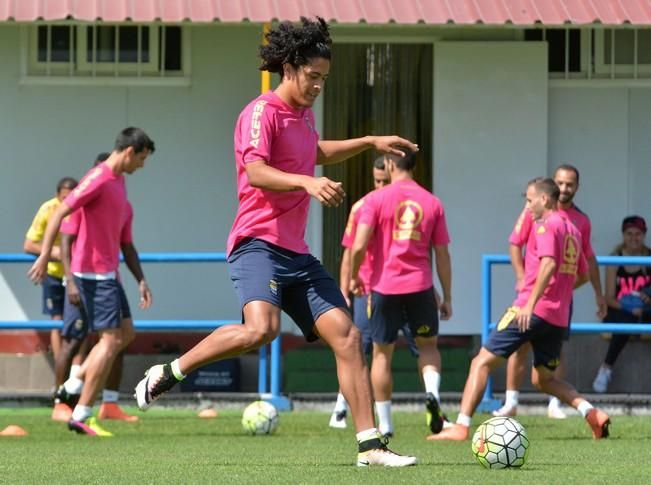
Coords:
pixel 260 417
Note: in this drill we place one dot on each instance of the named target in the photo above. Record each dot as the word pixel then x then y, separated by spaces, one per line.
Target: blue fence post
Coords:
pixel 282 403
pixel 262 370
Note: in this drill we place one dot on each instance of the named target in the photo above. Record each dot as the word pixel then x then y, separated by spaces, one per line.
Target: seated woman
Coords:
pixel 628 291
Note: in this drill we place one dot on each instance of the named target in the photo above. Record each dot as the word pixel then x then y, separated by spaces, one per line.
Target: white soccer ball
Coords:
pixel 260 417
pixel 500 443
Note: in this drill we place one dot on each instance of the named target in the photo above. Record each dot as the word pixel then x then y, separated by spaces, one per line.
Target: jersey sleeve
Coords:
pixel 369 211
pixel 522 229
pixel 257 127
pixel 440 235
pixel 70 223
pixel 126 235
pixel 88 189
pixel 36 231
pixel 351 226
pixel 545 241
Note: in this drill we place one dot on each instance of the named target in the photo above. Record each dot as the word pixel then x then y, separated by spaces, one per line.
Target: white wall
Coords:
pixel 490 138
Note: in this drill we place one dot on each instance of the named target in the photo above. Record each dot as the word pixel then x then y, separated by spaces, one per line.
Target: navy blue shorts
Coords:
pixel 295 283
pixel 391 312
pixel 74 321
pixel 104 304
pixel 546 340
pixel 53 295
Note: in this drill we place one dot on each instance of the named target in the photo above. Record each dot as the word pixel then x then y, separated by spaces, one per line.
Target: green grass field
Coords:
pixel 172 446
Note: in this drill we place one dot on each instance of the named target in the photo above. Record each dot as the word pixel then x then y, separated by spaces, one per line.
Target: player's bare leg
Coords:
pixel 382 384
pixel 554 410
pixel 516 367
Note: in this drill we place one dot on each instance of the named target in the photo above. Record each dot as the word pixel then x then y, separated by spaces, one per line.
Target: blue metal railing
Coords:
pixel 270 393
pixel 488 260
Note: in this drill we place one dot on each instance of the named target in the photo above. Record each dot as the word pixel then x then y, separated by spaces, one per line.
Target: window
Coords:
pixel 106 50
pixel 623 52
pixel 564 47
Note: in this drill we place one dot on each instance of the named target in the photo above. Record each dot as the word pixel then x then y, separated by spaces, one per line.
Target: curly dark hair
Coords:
pixel 295 45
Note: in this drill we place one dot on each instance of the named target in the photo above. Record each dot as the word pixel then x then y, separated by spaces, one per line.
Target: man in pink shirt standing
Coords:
pixel 554 266
pixel 404 222
pixel 102 199
pixel 567 178
pixel 276 150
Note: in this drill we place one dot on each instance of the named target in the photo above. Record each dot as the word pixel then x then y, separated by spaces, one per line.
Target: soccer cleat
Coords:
pixel 599 421
pixel 456 432
pixel 554 412
pixel 386 436
pixel 506 411
pixel 158 380
pixel 63 396
pixel 111 410
pixel 435 418
pixel 61 412
pixel 338 419
pixel 89 427
pixel 374 452
pixel 600 383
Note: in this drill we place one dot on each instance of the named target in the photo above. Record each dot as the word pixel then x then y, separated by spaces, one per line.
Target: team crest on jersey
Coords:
pixel 541 230
pixel 408 216
pixel 273 287
pixel 570 255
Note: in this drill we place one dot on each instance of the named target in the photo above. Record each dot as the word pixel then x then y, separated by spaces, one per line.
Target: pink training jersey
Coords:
pixel 408 220
pixel 524 225
pixel 558 238
pixel 285 138
pixel 104 220
pixel 349 237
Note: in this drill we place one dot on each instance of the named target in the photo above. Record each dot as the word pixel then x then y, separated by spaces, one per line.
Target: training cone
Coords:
pixel 207 413
pixel 13 430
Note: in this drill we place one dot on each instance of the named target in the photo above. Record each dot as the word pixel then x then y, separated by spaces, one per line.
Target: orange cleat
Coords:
pixel 456 432
pixel 61 412
pixel 111 410
pixel 599 422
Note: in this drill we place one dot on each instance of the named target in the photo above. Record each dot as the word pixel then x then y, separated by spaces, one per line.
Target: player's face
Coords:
pixel 380 178
pixel 566 181
pixel 633 239
pixel 308 80
pixel 135 160
pixel 535 203
pixel 63 193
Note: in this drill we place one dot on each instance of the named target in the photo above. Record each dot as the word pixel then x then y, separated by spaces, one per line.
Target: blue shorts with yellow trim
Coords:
pixel 53 295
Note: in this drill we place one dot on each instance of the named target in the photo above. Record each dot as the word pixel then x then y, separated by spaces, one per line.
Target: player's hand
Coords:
pixel 73 293
pixel 388 144
pixel 326 191
pixel 357 287
pixel 445 310
pixel 602 307
pixel 38 271
pixel 146 297
pixel 523 318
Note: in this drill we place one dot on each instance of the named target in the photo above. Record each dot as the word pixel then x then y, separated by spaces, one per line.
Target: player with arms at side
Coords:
pixel 554 266
pixel 276 150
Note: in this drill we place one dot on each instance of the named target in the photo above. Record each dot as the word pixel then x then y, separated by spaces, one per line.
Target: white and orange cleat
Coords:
pixel 506 411
pixel 61 412
pixel 599 421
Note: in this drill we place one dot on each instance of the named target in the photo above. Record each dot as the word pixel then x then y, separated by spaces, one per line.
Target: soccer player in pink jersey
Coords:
pixel 276 150
pixel 554 266
pixel 102 199
pixel 404 222
pixel 567 178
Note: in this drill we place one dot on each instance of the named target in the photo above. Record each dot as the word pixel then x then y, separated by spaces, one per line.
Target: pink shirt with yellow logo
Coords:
pixel 558 238
pixel 101 200
pixel 284 137
pixel 407 220
pixel 349 237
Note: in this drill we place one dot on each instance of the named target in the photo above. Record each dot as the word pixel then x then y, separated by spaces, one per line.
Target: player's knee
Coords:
pixel 259 336
pixel 540 379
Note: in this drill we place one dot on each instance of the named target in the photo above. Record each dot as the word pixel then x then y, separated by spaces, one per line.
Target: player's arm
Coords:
pixel 444 272
pixel 335 151
pixel 66 257
pixel 357 253
pixel 517 263
pixel 344 275
pixel 132 260
pixel 582 279
pixel 263 176
pixel 38 271
pixel 32 244
pixel 611 288
pixel 545 272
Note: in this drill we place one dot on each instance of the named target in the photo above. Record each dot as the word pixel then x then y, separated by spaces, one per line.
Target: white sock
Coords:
pixel 511 398
pixel 110 396
pixel 432 380
pixel 383 409
pixel 367 434
pixel 554 402
pixel 176 370
pixel 73 385
pixel 80 413
pixel 74 368
pixel 464 420
pixel 341 404
pixel 584 408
